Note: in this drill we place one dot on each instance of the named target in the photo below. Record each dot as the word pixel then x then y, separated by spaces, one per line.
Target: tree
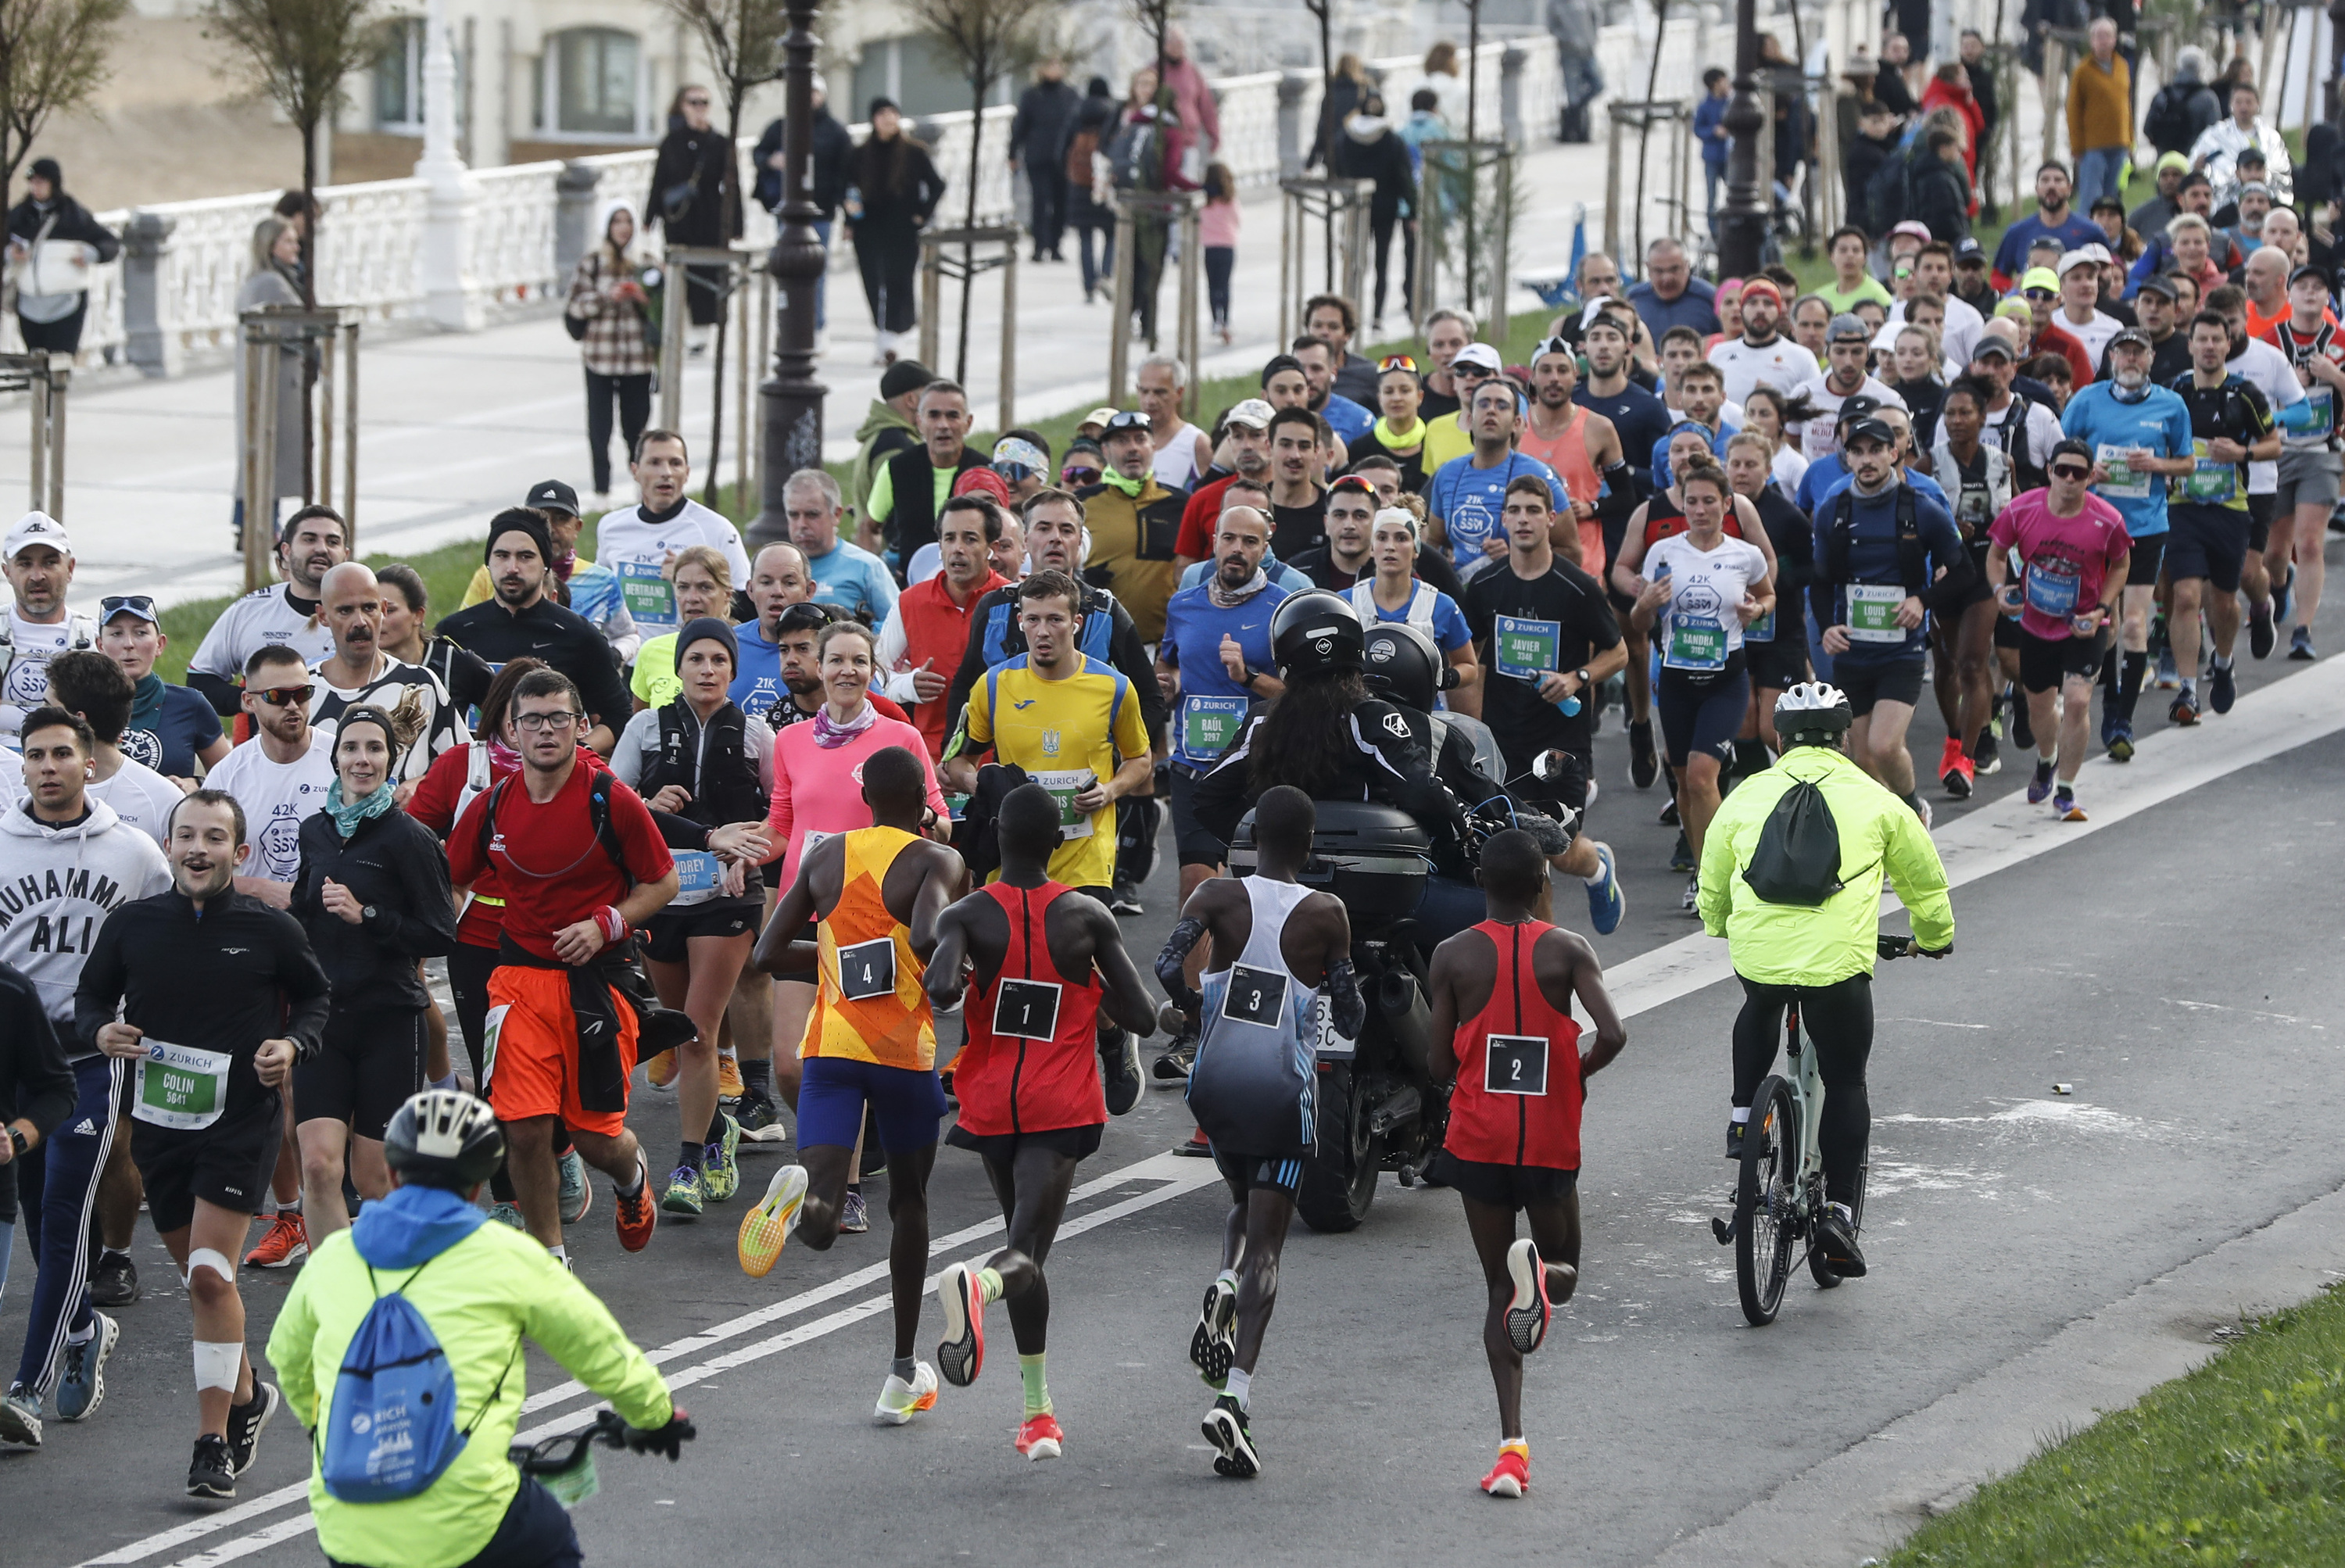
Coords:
pixel 744 40
pixel 52 61
pixel 298 52
pixel 992 39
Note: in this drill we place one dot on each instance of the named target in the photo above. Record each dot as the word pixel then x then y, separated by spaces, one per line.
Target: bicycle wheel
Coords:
pixel 1817 1268
pixel 1767 1242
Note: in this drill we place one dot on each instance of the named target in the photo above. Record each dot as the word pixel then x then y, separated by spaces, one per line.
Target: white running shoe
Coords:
pixel 899 1401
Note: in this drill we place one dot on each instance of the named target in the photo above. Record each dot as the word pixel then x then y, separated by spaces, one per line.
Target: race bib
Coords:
pixel 2123 483
pixel 650 598
pixel 1515 1064
pixel 180 1086
pixel 2052 592
pixel 1063 788
pixel 1522 649
pixel 1256 996
pixel 697 872
pixel 1208 724
pixel 2210 482
pixel 1026 1009
pixel 867 968
pixel 492 1027
pixel 1762 630
pixel 1695 645
pixel 1872 613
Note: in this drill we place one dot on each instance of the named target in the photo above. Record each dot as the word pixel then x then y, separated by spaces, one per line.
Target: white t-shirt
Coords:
pixel 1175 465
pixel 1964 324
pixel 2095 334
pixel 27 685
pixel 1820 437
pixel 1705 587
pixel 275 797
pixel 1782 364
pixel 635 549
pixel 413 698
pixel 1789 468
pixel 141 797
pixel 265 617
pixel 2273 375
pixel 12 776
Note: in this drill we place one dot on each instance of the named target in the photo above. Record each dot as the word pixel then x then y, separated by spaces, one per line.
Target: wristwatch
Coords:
pixel 1582 672
pixel 17 1143
pixel 366 911
pixel 1251 676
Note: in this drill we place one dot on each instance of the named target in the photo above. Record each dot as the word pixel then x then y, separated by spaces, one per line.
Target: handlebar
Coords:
pixel 1892 948
pixel 560 1453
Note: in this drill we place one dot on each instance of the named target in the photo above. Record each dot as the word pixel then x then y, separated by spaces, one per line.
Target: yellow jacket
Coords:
pixel 2098 114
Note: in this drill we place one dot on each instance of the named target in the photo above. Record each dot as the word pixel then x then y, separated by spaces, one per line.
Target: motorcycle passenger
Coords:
pixel 1818 954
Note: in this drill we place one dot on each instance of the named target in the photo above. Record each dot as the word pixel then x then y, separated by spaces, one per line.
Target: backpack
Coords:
pixel 598 812
pixel 1129 153
pixel 393 1430
pixel 1080 148
pixel 1889 194
pixel 1797 860
pixel 1913 557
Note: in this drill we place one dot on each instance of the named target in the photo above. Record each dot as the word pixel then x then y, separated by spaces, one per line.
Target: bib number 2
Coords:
pixel 1515 1064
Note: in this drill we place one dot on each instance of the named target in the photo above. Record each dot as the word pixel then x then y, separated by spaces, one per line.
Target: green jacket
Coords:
pixel 1786 944
pixel 881 419
pixel 482 1297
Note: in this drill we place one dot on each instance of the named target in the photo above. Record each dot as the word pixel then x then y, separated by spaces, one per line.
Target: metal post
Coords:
pixel 674 325
pixel 259 451
pixel 793 399
pixel 1287 224
pixel 60 378
pixel 37 386
pixel 1612 188
pixel 1009 414
pixel 741 442
pixel 1193 272
pixel 325 490
pixel 350 441
pixel 1503 241
pixel 1119 349
pixel 1355 250
pixel 931 292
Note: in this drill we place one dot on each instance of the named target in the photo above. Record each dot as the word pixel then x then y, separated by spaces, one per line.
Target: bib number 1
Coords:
pixel 1026 1009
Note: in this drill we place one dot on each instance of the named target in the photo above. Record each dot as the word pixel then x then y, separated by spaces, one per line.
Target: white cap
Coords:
pixel 2095 252
pixel 1098 416
pixel 35 528
pixel 1254 413
pixel 1481 354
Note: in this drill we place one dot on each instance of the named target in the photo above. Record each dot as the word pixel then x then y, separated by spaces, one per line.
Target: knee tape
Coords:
pixel 205 1257
pixel 217 1363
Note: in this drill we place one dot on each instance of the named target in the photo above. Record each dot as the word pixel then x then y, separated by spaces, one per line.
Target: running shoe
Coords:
pixel 854 1214
pixel 2120 740
pixel 2184 712
pixel 1960 777
pixel 2065 807
pixel 212 1473
pixel 768 1224
pixel 1225 1428
pixel 1681 853
pixel 1528 1313
pixel 2262 633
pixel 1173 1066
pixel 2170 674
pixel 720 1172
pixel 899 1401
pixel 1120 1065
pixel 684 1195
pixel 636 1217
pixel 1510 1475
pixel 1607 904
pixel 577 1196
pixel 760 1120
pixel 508 1214
pixel 1039 1437
pixel 728 1076
pixel 962 1352
pixel 285 1242
pixel 1214 1343
pixel 2023 729
pixel 2282 592
pixel 115 1281
pixel 1668 816
pixel 20 1418
pixel 2299 646
pixel 2039 788
pixel 1948 756
pixel 1836 1241
pixel 1986 760
pixel 1734 1139
pixel 1123 898
pixel 2222 687
pixel 1693 900
pixel 81 1386
pixel 1644 762
pixel 247 1421
pixel 660 1070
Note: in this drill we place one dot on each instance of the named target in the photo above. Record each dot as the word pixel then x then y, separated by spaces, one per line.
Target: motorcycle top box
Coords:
pixel 1374 858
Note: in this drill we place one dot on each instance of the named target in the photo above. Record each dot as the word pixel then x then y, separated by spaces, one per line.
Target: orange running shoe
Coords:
pixel 728 1076
pixel 1039 1436
pixel 285 1242
pixel 1510 1475
pixel 638 1216
pixel 660 1070
pixel 768 1222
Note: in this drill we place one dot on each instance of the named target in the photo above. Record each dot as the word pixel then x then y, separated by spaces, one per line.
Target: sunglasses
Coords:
pixel 2069 470
pixel 803 617
pixel 1351 484
pixel 286 695
pixel 1396 362
pixel 1075 475
pixel 1014 472
pixel 2043 294
pixel 113 605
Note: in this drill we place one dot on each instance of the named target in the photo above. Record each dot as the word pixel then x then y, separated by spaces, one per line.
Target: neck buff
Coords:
pixel 1226 598
pixel 145 700
pixel 1393 439
pixel 348 813
pixel 830 734
pixel 502 758
pixel 1131 487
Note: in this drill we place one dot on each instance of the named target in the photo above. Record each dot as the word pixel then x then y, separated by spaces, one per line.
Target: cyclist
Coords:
pixel 1822 955
pixel 496 1289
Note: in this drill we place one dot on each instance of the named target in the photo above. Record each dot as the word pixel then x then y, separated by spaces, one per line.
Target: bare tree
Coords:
pixel 52 61
pixel 744 40
pixel 298 52
pixel 992 39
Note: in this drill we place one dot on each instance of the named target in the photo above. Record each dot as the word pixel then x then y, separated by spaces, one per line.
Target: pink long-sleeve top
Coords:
pixel 818 790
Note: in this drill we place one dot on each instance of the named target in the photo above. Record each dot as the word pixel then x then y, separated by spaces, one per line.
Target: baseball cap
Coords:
pixel 1856 407
pixel 2071 260
pixel 1254 413
pixel 1128 420
pixel 1870 430
pixel 2069 447
pixel 2159 284
pixel 2308 270
pixel 1915 227
pixel 552 496
pixel 1847 326
pixel 1989 345
pixel 1970 250
pixel 1481 355
pixel 2133 335
pixel 1098 416
pixel 2041 278
pixel 2171 161
pixel 34 528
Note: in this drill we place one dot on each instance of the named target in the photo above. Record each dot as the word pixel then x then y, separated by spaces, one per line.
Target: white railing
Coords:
pixel 1249 113
pixel 509 242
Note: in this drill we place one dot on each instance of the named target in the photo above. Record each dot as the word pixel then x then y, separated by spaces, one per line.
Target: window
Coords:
pixel 398 77
pixel 596 82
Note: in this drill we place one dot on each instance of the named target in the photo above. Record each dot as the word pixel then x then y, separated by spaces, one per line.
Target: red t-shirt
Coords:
pixel 1195 539
pixel 554 871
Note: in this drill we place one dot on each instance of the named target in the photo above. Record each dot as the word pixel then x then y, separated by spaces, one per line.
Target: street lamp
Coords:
pixel 793 399
pixel 1743 221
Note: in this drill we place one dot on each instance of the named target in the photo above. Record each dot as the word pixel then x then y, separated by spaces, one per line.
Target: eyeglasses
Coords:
pixel 2069 470
pixel 286 695
pixel 542 721
pixel 113 605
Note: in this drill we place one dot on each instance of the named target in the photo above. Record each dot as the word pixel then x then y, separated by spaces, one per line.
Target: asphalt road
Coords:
pixel 2169 961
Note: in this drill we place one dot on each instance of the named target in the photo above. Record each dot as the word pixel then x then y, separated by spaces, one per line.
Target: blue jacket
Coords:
pixel 1708 128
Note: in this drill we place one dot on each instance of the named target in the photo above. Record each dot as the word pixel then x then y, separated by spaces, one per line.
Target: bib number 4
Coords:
pixel 867 970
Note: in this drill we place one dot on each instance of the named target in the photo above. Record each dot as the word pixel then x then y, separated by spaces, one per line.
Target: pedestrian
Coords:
pixel 172 729
pixel 1576 25
pixel 1448 89
pixel 2100 114
pixel 1087 213
pixel 1148 153
pixel 2180 112
pixel 830 148
pixel 1348 84
pixel 1217 232
pixel 53 243
pixel 1037 144
pixel 275 281
pixel 892 190
pixel 610 315
pixel 1371 149
pixel 1710 129
pixel 693 184
pixel 1192 97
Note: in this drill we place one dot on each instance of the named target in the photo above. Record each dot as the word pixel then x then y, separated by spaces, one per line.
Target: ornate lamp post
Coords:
pixel 1743 221
pixel 793 398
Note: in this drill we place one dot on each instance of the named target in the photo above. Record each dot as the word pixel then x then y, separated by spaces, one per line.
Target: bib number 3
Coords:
pixel 1256 996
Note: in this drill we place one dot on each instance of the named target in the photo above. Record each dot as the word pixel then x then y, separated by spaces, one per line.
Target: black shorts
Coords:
pixel 2006 630
pixel 1002 1148
pixel 2148 556
pixel 1978 593
pixel 1778 665
pixel 1243 1173
pixel 2043 662
pixel 228 1163
pixel 2261 510
pixel 1871 682
pixel 2209 541
pixel 371 1061
pixel 1196 846
pixel 1703 715
pixel 1503 1187
pixel 671 929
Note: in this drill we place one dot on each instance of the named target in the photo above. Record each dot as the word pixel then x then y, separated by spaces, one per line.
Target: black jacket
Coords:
pixel 1383 160
pixel 832 148
pixel 898 184
pixel 1098 116
pixel 1336 106
pixel 394 866
pixel 563 638
pixel 1389 762
pixel 1941 200
pixel 1046 113
pixel 73 223
pixel 35 1084
pixel 687 198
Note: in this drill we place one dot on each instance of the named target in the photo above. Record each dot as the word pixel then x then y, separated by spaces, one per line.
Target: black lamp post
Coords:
pixel 1743 221
pixel 793 398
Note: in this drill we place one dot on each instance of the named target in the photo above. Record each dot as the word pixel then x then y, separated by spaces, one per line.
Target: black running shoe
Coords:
pixel 1225 1428
pixel 2262 631
pixel 115 1281
pixel 1214 1342
pixel 1668 816
pixel 1681 853
pixel 246 1423
pixel 1836 1241
pixel 1119 1066
pixel 1644 762
pixel 212 1473
pixel 2023 733
pixel 1734 1139
pixel 2222 689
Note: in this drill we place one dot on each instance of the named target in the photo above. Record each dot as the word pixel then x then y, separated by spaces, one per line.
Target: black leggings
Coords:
pixel 633 396
pixel 887 260
pixel 1837 1020
pixel 1381 233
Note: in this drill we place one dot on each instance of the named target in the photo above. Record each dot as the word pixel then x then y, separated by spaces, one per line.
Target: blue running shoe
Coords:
pixel 1607 904
pixel 2222 689
pixel 2039 788
pixel 81 1386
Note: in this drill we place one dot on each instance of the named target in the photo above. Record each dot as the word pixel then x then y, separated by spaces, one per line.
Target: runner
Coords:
pixel 1394 593
pixel 704 587
pixel 639 541
pixel 1501 995
pixel 1582 448
pixel 2270 577
pixel 313 542
pixel 1467 495
pixel 404 635
pixel 1044 962
pixel 217 997
pixel 927 633
pixel 37 1086
pixel 1638 417
pixel 92 686
pixel 838 571
pixel 1776 643
pixel 1761 356
pixel 172 728
pixel 1848 343
pixel 1245 446
pixel 873 895
pixel 2072 548
pixel 38 627
pixel 1977 476
pixel 1253 1088
pixel 359 672
pixel 525 620
pixel 582 866
pixel 373 897
pixel 2310 466
pixel 2231 429
pixel 84 864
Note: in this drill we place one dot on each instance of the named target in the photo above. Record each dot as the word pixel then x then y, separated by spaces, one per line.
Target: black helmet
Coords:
pixel 445 1138
pixel 1813 713
pixel 1402 664
pixel 1315 631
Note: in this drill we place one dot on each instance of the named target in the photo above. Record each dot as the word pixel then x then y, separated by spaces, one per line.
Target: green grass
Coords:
pixel 2240 1463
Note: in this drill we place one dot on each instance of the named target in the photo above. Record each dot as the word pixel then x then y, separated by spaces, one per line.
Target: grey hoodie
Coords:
pixel 57 885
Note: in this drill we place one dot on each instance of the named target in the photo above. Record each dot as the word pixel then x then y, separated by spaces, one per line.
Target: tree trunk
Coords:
pixel 1645 122
pixel 980 79
pixel 309 215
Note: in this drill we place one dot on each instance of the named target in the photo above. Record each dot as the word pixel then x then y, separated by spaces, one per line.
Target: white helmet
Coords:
pixel 1813 713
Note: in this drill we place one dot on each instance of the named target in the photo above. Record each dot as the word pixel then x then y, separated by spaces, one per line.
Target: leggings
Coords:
pixel 59 1188
pixel 1381 233
pixel 633 396
pixel 1837 1021
pixel 1219 261
pixel 887 260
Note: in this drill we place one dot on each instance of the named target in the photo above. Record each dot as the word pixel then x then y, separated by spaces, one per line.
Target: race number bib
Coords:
pixel 650 598
pixel 1522 649
pixel 180 1086
pixel 1695 644
pixel 2053 589
pixel 1256 996
pixel 1063 788
pixel 492 1028
pixel 867 968
pixel 1026 1009
pixel 696 872
pixel 1208 724
pixel 2209 481
pixel 1762 630
pixel 1515 1064
pixel 1872 613
pixel 2124 481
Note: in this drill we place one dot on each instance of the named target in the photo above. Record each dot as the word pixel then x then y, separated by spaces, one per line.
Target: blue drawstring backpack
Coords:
pixel 392 1429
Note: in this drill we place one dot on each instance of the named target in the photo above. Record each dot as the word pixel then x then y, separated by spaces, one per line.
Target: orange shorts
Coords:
pixel 535 1068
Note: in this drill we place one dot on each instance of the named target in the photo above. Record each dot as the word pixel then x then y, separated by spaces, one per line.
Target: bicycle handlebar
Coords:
pixel 1891 948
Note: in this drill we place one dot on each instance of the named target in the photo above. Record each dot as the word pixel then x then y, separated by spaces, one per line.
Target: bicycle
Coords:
pixel 564 1463
pixel 1777 1200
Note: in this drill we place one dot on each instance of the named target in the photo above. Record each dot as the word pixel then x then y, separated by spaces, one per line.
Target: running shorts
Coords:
pixel 371 1061
pixel 2045 661
pixel 2148 556
pixel 1196 846
pixel 533 1069
pixel 1869 681
pixel 1243 1173
pixel 2307 479
pixel 2209 541
pixel 907 1104
pixel 1703 715
pixel 671 929
pixel 228 1163
pixel 1002 1148
pixel 2006 632
pixel 1503 1187
pixel 1776 665
pixel 1978 593
pixel 2261 510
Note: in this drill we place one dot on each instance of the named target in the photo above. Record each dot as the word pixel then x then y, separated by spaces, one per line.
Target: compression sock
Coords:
pixel 1516 1445
pixel 905 1368
pixel 988 1285
pixel 757 1077
pixel 694 1154
pixel 643 1174
pixel 2136 664
pixel 1228 1276
pixel 292 1207
pixel 1239 1382
pixel 2108 677
pixel 1038 1391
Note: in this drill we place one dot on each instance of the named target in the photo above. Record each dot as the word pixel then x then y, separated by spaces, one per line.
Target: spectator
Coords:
pixel 828 172
pixel 1872 145
pixel 2219 146
pixel 1371 149
pixel 275 279
pixel 1192 96
pixel 690 183
pixel 608 314
pixel 171 728
pixel 2053 218
pixel 1442 80
pixel 1574 25
pixel 52 243
pixel 1950 89
pixel 1217 232
pixel 1889 84
pixel 1038 143
pixel 1941 188
pixel 1347 84
pixel 1972 50
pixel 2100 114
pixel 1671 295
pixel 2183 110
pixel 892 190
pixel 1710 129
pixel 1087 139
